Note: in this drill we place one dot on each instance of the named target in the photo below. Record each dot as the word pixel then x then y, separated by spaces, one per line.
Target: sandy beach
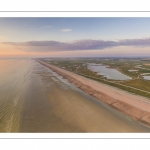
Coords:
pixel 55 105
pixel 137 107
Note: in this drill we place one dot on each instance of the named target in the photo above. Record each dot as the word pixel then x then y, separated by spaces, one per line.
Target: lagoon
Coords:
pixel 109 73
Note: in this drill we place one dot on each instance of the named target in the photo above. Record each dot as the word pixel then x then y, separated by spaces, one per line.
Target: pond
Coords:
pixel 145 73
pixel 109 73
pixel 146 77
pixel 133 70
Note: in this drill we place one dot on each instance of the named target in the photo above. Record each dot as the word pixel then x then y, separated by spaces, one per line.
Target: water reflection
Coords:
pixel 109 73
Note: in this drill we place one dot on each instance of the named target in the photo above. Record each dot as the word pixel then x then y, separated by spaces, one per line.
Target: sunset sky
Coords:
pixel 74 37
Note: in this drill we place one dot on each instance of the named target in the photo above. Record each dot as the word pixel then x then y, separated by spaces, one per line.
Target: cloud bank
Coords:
pixel 86 44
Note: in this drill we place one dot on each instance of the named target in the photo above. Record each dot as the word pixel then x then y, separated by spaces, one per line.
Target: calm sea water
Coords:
pixel 109 73
pixel 13 82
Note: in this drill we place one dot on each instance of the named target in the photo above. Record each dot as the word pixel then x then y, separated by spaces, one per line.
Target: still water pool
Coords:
pixel 109 73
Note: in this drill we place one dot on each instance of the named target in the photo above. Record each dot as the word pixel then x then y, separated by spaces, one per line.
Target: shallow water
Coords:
pixel 146 77
pixel 145 73
pixel 13 82
pixel 133 70
pixel 109 73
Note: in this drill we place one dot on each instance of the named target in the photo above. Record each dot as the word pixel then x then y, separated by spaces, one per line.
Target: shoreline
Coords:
pixel 138 110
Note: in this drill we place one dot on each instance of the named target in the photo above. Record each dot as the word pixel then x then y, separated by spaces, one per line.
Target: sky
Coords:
pixel 74 37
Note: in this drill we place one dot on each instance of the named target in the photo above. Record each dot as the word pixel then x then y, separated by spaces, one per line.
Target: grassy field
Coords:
pixel 139 83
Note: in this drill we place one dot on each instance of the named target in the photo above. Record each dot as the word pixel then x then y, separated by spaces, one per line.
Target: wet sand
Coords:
pixel 55 105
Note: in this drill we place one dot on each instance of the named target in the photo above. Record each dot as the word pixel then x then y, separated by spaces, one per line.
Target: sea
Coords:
pixel 14 75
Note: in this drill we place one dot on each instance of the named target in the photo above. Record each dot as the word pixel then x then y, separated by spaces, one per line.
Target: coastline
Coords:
pixel 137 107
pixel 54 105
